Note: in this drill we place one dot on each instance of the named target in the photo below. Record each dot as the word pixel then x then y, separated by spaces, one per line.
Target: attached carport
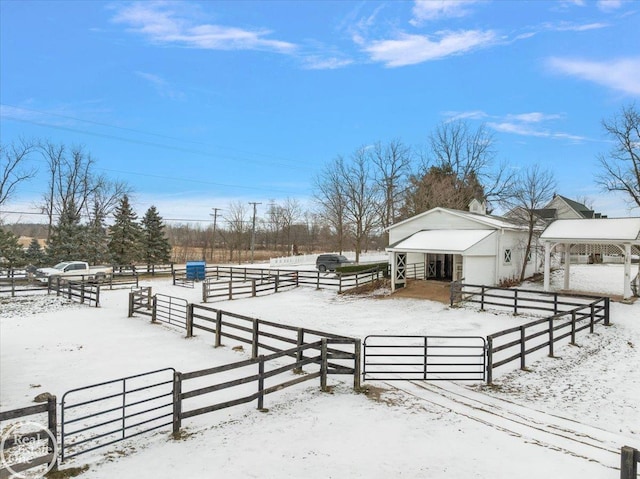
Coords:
pixel 454 244
pixel 622 233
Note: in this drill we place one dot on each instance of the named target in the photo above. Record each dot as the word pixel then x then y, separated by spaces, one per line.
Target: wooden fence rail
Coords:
pixel 570 315
pixel 50 435
pixel 258 378
pixel 82 292
pixel 340 281
pixel 15 285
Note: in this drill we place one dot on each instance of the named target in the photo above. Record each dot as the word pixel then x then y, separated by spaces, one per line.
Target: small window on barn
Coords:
pixel 507 256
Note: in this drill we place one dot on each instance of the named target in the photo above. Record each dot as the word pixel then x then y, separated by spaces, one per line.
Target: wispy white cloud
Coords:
pixel 316 62
pixel 464 115
pixel 622 74
pixel 609 5
pixel 577 27
pixel 163 88
pixel 160 22
pixel 533 117
pixel 408 49
pixel 527 129
pixel 424 10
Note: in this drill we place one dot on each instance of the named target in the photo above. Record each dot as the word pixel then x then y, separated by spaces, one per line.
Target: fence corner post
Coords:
pixel 177 404
pixel 154 309
pixel 189 320
pixel 255 339
pixel 323 365
pixel 629 458
pixel 218 342
pixel 607 309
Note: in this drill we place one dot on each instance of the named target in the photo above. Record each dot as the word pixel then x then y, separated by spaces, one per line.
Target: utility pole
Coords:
pixel 253 228
pixel 213 240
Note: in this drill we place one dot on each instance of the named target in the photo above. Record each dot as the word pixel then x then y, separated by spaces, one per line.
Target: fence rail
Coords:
pixel 169 310
pixel 213 288
pixel 50 459
pixel 82 292
pixel 340 281
pixel 268 368
pixel 16 285
pixel 570 315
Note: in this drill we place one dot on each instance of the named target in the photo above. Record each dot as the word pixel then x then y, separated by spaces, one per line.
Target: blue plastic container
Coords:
pixel 196 270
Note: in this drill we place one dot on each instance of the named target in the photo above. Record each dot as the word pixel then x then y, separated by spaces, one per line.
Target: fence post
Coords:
pixel 489 359
pixel 482 299
pixel 218 329
pixel 97 296
pixel 522 348
pixel 299 353
pixel 573 327
pixel 592 318
pixel 318 280
pixel 204 290
pixel 551 336
pixel 189 319
pixel 13 287
pixel 261 383
pixel 555 303
pixel 323 365
pixel 254 340
pixel 130 305
pixel 154 309
pixel 425 353
pixel 629 458
pixel 277 281
pixel 515 302
pixel 339 283
pixel 177 403
pixel 253 288
pixel 357 364
pixel 52 426
pixel 607 305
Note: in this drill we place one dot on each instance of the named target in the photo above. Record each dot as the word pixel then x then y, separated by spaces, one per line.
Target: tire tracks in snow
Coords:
pixel 536 427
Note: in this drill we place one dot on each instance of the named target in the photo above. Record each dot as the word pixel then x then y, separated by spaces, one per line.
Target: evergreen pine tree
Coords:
pixel 67 241
pixel 124 242
pixel 97 240
pixel 34 254
pixel 11 253
pixel 155 245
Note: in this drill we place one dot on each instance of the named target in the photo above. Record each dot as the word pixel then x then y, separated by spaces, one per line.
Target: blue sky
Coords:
pixel 197 104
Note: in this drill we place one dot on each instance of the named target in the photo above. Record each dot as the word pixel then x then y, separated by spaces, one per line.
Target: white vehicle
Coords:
pixel 78 270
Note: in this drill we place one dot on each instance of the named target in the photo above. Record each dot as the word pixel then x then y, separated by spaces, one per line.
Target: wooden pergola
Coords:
pixel 622 233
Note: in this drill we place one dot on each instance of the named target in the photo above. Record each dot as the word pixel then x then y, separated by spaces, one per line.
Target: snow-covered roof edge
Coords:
pixel 495 221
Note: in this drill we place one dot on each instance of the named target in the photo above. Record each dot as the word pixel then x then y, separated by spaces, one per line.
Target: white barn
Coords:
pixel 451 244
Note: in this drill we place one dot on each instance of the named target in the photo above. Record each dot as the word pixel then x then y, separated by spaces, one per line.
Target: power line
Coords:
pixel 289 163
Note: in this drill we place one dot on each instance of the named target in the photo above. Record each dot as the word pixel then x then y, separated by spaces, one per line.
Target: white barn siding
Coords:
pixel 479 269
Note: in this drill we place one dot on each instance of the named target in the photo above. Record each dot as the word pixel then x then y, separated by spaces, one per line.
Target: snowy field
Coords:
pixel 566 417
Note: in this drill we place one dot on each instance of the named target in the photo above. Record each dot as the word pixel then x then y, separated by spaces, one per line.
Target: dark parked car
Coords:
pixel 329 262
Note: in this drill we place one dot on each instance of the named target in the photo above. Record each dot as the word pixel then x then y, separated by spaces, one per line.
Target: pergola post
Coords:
pixel 567 265
pixel 547 264
pixel 627 271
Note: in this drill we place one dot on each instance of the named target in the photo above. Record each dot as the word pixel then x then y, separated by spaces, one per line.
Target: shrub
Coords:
pixel 357 268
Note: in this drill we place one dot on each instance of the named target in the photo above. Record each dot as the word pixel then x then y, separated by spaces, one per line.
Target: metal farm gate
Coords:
pixel 170 310
pixel 431 358
pixel 102 414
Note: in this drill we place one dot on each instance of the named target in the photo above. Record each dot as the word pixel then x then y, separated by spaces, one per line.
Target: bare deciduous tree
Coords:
pixel 392 162
pixel 459 165
pixel 13 168
pixel 236 234
pixel 331 197
pixel 72 181
pixel 362 205
pixel 534 190
pixel 620 170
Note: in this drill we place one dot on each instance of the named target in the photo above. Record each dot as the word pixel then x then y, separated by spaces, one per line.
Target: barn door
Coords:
pixel 401 269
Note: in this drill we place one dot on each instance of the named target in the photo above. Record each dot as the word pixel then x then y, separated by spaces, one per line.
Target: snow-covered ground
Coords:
pixel 565 418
